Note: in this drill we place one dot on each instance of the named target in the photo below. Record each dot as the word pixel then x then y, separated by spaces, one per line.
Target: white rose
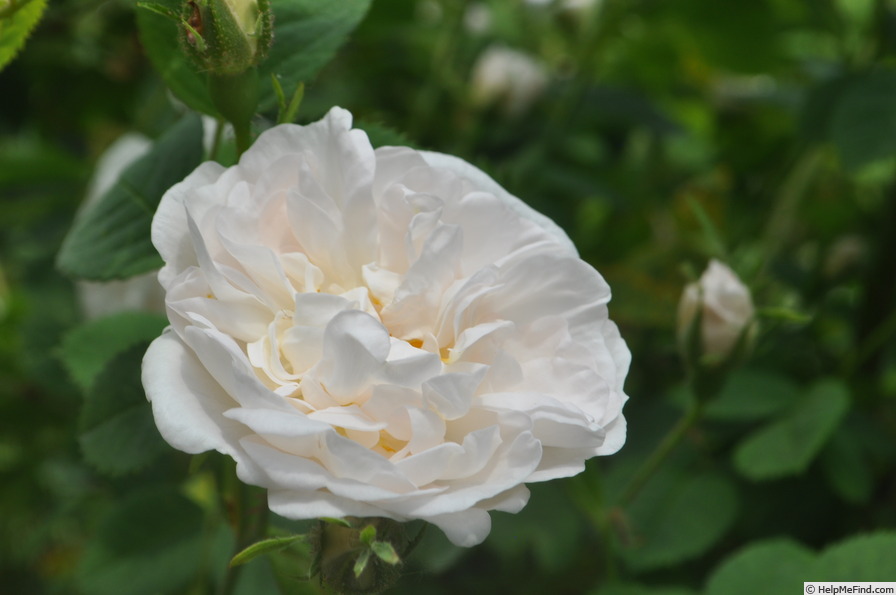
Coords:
pixel 726 310
pixel 379 333
pixel 509 78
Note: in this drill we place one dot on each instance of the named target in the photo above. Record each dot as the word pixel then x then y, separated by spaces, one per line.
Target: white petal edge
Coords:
pixel 482 181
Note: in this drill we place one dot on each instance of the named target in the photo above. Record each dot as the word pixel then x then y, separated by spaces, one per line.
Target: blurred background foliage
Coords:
pixel 659 135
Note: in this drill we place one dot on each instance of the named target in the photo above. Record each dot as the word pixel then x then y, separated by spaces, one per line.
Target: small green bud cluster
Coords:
pixel 358 556
pixel 226 37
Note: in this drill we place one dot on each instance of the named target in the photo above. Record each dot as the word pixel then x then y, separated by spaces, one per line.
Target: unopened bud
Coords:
pixel 226 37
pixel 715 316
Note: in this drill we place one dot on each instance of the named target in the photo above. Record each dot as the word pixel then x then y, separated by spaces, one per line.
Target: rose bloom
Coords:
pixel 379 333
pixel 726 310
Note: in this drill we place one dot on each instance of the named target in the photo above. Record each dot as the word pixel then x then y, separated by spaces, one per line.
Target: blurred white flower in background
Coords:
pixel 379 333
pixel 507 78
pixel 478 18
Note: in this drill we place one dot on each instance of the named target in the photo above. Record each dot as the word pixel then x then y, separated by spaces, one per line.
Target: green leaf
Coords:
pixel 105 338
pixel 335 521
pixel 264 547
pixel 385 552
pixel 307 34
pixel 159 37
pixel 381 135
pixel 679 519
pixel 863 123
pixel 787 446
pixel 150 543
pixel 751 394
pixel 775 567
pixel 861 558
pixel 112 239
pixel 368 534
pixel 118 433
pixel 16 25
pixel 361 562
pixel 846 466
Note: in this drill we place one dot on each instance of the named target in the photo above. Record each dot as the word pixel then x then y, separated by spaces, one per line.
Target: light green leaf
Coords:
pixel 681 518
pixel 776 567
pixel 863 123
pixel 150 543
pixel 86 349
pixel 118 433
pixel 16 25
pixel 787 446
pixel 385 552
pixel 751 394
pixel 368 534
pixel 335 521
pixel 307 34
pixel 159 36
pixel 861 558
pixel 264 547
pixel 111 240
pixel 361 562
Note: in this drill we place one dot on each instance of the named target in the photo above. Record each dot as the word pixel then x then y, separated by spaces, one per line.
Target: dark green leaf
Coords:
pixel 860 558
pixel 752 394
pixel 690 515
pixel 776 567
pixel 307 34
pixel 111 240
pixel 788 445
pixel 150 543
pixel 118 433
pixel 847 468
pixel 86 349
pixel 863 124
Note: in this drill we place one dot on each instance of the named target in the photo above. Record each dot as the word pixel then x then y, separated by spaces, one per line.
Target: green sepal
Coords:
pixel 266 546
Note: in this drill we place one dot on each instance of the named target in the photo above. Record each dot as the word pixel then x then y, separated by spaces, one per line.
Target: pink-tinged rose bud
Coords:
pixel 718 310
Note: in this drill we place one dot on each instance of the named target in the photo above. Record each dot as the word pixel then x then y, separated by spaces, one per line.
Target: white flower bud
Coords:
pixel 725 308
pixel 509 78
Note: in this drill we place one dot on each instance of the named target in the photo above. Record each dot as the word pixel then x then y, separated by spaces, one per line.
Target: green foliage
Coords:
pixel 118 434
pixel 863 122
pixel 308 33
pixel 678 518
pixel 666 133
pixel 774 567
pixel 111 240
pixel 17 19
pixel 788 445
pixel 863 557
pixel 148 543
pixel 107 337
pixel 751 394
